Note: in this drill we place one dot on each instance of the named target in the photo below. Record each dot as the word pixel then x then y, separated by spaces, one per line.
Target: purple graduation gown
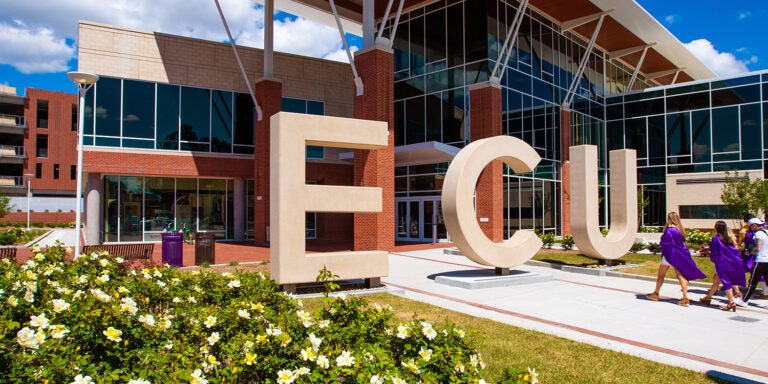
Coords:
pixel 728 263
pixel 677 254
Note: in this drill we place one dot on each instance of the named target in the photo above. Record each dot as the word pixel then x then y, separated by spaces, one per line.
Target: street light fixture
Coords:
pixel 28 176
pixel 84 82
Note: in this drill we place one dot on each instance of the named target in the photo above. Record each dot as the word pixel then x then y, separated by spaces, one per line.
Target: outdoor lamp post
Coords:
pixel 84 82
pixel 28 177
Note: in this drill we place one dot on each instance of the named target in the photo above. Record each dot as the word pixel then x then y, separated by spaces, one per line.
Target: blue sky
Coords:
pixel 38 38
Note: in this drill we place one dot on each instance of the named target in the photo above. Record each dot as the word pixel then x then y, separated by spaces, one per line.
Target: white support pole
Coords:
pixel 239 62
pixel 637 70
pixel 384 19
pixel 569 96
pixel 269 38
pixel 358 81
pixel 508 44
pixel 369 23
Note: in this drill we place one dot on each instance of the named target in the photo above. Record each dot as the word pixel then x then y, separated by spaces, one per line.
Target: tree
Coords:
pixel 5 204
pixel 741 194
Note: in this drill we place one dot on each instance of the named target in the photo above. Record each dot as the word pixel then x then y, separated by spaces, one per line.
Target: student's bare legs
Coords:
pixel 712 290
pixel 663 269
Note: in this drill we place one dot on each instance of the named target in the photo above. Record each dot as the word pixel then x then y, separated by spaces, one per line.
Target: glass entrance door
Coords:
pixel 418 219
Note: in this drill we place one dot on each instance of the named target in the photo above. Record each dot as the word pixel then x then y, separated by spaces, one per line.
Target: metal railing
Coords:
pixel 11 181
pixel 12 151
pixel 13 120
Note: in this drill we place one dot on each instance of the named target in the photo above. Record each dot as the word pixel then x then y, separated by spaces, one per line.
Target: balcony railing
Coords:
pixel 11 181
pixel 13 120
pixel 12 151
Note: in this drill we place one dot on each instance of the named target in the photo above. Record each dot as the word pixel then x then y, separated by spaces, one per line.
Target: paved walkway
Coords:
pixel 609 312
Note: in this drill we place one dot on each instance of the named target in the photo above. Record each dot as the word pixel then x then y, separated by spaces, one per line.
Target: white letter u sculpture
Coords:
pixel 585 222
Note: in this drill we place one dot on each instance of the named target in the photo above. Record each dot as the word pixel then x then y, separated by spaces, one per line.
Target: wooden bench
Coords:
pixel 128 251
pixel 8 253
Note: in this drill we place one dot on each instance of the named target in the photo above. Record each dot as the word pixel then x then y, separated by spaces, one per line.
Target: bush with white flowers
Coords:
pixel 91 320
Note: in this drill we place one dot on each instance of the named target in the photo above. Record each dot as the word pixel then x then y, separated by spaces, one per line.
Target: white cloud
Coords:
pixel 722 63
pixel 49 28
pixel 33 50
pixel 671 19
pixel 744 15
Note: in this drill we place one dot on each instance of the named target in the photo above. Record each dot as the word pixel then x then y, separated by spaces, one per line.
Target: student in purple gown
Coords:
pixel 674 253
pixel 729 266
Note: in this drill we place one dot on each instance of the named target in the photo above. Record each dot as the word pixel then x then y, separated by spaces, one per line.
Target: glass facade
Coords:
pixel 157 116
pixel 700 127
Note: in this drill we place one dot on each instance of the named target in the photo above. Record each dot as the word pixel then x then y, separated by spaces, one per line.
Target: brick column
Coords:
pixel 565 171
pixel 269 93
pixel 376 168
pixel 485 114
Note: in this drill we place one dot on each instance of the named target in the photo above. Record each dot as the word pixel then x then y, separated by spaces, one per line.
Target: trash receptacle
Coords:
pixel 172 248
pixel 205 248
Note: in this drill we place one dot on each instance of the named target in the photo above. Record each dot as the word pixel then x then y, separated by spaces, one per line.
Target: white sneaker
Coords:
pixel 740 302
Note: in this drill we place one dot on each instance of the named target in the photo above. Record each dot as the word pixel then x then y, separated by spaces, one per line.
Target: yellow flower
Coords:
pixel 261 339
pixel 113 334
pixel 250 358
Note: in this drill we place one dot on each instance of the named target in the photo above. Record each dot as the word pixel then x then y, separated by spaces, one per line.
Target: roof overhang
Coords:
pixel 429 152
pixel 629 25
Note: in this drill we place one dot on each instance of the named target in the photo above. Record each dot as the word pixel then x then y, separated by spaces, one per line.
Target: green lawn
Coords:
pixel 648 264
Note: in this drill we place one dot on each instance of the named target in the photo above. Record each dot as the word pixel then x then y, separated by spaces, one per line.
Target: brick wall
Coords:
pixel 62 140
pixel 376 168
pixel 156 163
pixel 485 109
pixel 39 217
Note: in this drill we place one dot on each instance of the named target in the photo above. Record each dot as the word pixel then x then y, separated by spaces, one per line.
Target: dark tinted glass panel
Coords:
pixel 167 116
pixel 739 95
pixel 107 141
pixel 417 46
pixel 688 102
pixel 519 82
pixel 414 120
pixel 543 90
pixel 701 136
pixel 108 107
pixel 399 123
pixel 706 212
pixel 195 114
pixel 197 147
pixel 765 124
pixel 88 120
pixel 475 27
pixel 409 88
pixel 678 134
pixel 687 89
pixel 736 82
pixel 737 166
pixel 293 105
pixel 656 146
pixel 435 36
pixel 644 108
pixel 651 175
pixel 750 132
pixel 244 113
pixel 717 157
pixel 455 35
pixel 221 121
pixel 725 129
pixel 614 112
pixel 42 113
pixel 133 143
pixel 138 109
pixel 439 81
pixel 615 135
pixel 478 72
pixel 401 47
pixel 434 118
pixel 636 136
pixel 315 108
pixel 643 95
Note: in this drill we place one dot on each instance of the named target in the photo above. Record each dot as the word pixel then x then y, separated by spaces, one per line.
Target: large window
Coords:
pixel 41 145
pixel 195 119
pixel 42 113
pixel 138 114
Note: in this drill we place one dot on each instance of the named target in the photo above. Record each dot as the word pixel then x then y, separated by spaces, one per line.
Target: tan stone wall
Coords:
pixel 705 191
pixel 120 52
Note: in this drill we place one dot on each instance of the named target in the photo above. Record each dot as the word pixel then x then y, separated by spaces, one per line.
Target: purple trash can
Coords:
pixel 172 248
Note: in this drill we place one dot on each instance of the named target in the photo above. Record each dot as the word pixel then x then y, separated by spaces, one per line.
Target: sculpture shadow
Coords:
pixel 475 273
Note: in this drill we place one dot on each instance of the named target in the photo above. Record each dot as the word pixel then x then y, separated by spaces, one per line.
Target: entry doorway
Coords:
pixel 418 218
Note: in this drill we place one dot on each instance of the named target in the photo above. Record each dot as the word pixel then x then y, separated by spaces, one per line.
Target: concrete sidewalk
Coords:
pixel 609 312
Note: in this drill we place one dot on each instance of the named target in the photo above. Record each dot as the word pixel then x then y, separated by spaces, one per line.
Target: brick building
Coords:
pixel 38 141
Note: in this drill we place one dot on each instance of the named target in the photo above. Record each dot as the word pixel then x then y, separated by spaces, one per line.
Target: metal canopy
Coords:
pixel 429 152
pixel 628 26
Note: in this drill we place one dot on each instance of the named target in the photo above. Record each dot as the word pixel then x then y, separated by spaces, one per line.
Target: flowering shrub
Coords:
pixel 91 320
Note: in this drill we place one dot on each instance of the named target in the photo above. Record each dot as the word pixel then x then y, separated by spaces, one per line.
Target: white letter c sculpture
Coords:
pixel 585 222
pixel 458 202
